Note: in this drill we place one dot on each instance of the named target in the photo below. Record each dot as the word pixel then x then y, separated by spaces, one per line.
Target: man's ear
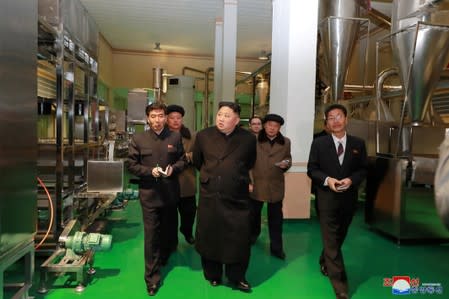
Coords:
pixel 237 121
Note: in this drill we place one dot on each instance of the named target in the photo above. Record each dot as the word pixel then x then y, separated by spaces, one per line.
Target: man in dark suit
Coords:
pixel 323 132
pixel 156 156
pixel 224 154
pixel 337 165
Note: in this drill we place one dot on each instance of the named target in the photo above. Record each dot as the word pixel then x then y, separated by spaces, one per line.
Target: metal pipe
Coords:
pixel 383 19
pixel 379 83
pixel 384 75
pixel 186 68
pixel 206 97
pixel 259 70
pixel 355 87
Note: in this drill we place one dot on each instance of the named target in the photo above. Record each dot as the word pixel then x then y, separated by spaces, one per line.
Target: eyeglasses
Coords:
pixel 337 117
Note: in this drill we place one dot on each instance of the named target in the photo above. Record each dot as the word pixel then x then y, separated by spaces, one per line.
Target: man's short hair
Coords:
pixel 234 106
pixel 156 106
pixel 335 106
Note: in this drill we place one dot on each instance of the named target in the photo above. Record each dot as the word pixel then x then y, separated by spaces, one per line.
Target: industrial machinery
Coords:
pixel 402 182
pixel 404 130
pixel 18 150
pixel 181 91
pixel 78 176
pixel 74 254
pixel 72 121
pixel 442 183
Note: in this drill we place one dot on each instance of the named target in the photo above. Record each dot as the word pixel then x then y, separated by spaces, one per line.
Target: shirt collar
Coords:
pixel 342 140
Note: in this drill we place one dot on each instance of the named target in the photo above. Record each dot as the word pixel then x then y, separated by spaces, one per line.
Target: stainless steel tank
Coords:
pixel 338 30
pixel 157 83
pixel 421 50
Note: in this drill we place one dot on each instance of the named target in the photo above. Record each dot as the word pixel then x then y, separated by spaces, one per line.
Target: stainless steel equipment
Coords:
pixel 442 183
pixel 159 82
pixel 181 91
pixel 339 29
pixel 75 251
pixel 400 190
pixel 422 51
pixel 18 150
pixel 105 176
pixel 403 199
pixel 72 129
pixel 137 102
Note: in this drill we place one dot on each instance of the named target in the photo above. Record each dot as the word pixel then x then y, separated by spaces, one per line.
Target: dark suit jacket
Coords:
pixel 148 150
pixel 323 162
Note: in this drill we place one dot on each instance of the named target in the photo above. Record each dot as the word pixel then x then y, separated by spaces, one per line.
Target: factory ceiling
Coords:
pixel 185 26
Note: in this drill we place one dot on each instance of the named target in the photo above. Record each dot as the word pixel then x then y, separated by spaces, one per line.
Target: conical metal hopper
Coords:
pixel 338 31
pixel 338 36
pixel 422 51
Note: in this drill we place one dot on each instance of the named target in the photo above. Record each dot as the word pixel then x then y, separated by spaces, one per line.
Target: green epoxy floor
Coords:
pixel 369 259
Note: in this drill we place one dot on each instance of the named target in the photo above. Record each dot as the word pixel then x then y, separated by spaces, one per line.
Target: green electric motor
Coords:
pixel 82 242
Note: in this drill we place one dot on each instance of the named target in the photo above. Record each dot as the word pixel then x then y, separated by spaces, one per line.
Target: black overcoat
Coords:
pixel 223 223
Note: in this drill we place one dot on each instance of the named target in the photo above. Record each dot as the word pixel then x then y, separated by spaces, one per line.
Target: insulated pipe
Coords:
pixel 384 75
pixel 379 84
pixel 186 68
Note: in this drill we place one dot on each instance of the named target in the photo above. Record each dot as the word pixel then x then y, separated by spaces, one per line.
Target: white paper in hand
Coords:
pixel 163 172
pixel 341 187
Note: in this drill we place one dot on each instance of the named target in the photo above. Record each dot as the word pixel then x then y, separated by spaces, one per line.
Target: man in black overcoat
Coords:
pixel 224 154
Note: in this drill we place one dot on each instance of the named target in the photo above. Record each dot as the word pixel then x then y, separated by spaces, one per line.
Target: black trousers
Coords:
pixel 213 270
pixel 160 237
pixel 275 221
pixel 170 230
pixel 334 225
pixel 187 212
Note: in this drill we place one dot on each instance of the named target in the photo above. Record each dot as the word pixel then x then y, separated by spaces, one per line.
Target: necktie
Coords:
pixel 340 149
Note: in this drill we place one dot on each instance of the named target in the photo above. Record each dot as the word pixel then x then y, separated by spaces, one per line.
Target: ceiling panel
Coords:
pixel 180 26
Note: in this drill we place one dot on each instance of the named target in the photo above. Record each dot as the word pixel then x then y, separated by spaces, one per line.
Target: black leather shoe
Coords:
pixel 279 254
pixel 342 296
pixel 152 290
pixel 189 239
pixel 215 282
pixel 323 270
pixel 243 286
